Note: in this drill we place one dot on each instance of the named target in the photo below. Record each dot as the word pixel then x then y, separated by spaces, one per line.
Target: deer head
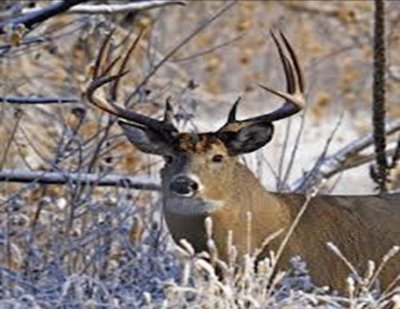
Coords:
pixel 199 166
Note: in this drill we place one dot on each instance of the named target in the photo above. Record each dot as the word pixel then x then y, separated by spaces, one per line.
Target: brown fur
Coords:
pixel 362 227
pixel 196 143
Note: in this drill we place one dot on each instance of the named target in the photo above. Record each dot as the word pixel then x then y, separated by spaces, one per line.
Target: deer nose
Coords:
pixel 184 185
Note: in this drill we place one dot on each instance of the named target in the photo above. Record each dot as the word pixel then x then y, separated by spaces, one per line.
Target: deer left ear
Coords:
pixel 247 139
pixel 145 139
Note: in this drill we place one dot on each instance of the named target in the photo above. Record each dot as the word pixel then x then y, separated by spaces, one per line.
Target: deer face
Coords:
pixel 198 167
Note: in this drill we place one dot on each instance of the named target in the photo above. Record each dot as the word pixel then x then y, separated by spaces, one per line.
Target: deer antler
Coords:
pixel 294 98
pixel 164 127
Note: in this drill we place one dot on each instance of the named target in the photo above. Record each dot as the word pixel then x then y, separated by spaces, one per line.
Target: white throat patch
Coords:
pixel 191 206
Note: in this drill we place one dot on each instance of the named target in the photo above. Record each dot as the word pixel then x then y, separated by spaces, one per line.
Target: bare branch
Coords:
pixel 378 97
pixel 43 177
pixel 346 158
pixel 34 16
pixel 122 8
pixel 107 8
pixel 33 100
pixel 30 19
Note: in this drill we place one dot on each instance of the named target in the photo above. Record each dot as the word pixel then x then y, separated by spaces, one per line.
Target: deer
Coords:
pixel 202 178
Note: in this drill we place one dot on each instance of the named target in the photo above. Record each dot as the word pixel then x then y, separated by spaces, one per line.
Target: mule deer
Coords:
pixel 203 177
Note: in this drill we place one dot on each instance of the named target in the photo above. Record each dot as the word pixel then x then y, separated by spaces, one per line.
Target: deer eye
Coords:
pixel 169 159
pixel 218 158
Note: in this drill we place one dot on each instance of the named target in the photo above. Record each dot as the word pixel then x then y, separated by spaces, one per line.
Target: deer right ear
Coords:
pixel 145 139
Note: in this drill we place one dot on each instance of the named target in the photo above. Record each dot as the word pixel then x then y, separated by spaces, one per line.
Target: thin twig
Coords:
pixel 308 197
pixel 10 139
pixel 280 184
pixel 30 44
pixel 174 50
pixel 209 50
pixel 289 167
pixel 322 156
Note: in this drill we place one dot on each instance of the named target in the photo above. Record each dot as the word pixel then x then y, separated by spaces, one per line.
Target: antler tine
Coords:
pixel 100 55
pixel 169 112
pixel 287 66
pixel 110 66
pixel 232 112
pixel 100 79
pixel 296 64
pixel 294 98
pixel 114 88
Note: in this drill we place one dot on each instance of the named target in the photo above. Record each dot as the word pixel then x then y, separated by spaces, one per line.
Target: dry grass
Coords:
pixel 97 258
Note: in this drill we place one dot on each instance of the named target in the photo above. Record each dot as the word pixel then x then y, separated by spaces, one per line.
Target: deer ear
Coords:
pixel 247 139
pixel 145 139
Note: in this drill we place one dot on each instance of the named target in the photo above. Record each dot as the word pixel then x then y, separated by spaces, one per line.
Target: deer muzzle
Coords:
pixel 184 185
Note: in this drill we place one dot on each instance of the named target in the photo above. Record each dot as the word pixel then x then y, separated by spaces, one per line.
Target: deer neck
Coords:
pixel 251 205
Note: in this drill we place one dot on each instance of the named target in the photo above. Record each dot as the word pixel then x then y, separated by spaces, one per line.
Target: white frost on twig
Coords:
pixel 116 8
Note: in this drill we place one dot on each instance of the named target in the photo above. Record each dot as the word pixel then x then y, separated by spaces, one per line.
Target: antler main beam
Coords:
pixel 294 96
